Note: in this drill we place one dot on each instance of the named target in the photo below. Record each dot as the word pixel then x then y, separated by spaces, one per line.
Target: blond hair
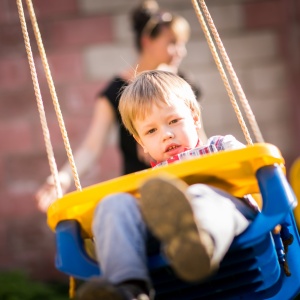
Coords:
pixel 153 88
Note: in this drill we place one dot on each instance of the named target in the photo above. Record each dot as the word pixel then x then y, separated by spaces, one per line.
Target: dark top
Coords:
pixel 127 143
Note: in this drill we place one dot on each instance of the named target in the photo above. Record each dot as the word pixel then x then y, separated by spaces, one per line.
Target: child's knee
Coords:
pixel 199 190
pixel 115 211
pixel 115 206
pixel 116 203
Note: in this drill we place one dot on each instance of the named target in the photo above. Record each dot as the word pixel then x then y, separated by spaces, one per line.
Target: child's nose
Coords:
pixel 168 135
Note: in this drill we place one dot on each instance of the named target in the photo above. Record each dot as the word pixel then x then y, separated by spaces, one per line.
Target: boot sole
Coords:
pixel 169 216
pixel 95 291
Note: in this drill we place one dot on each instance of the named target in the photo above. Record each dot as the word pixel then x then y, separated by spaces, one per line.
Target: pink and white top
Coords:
pixel 214 144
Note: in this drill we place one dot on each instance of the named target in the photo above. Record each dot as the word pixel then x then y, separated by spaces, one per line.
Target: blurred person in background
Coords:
pixel 160 38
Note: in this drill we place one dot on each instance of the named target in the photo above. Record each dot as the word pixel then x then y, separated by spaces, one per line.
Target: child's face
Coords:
pixel 168 130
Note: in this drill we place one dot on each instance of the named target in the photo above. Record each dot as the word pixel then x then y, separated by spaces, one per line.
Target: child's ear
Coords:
pixel 197 120
pixel 140 142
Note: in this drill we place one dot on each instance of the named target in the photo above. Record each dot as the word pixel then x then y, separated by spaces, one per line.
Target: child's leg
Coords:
pixel 196 224
pixel 220 214
pixel 120 238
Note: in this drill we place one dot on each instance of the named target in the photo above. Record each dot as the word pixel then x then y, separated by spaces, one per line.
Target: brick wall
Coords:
pixel 88 41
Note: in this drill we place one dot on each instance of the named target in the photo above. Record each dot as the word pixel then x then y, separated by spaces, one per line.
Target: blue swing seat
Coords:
pixel 257 265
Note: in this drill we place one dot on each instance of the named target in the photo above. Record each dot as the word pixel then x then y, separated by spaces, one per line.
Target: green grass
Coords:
pixel 17 286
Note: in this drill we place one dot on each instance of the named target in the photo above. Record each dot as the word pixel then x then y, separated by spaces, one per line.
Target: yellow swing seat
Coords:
pixel 257 265
pixel 233 171
pixel 295 183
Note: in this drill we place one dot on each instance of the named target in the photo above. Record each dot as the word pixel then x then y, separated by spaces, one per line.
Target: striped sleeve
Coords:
pixel 227 142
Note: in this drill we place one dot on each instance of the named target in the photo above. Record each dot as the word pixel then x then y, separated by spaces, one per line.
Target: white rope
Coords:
pixel 43 120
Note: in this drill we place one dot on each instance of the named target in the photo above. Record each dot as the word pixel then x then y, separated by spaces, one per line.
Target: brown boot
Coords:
pixel 168 214
pixel 104 290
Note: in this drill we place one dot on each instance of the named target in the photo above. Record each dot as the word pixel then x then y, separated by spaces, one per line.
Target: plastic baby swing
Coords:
pixel 262 263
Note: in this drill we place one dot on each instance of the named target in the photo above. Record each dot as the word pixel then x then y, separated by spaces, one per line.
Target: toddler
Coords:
pixel 194 225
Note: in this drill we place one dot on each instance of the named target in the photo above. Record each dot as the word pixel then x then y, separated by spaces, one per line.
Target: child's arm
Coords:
pixel 227 142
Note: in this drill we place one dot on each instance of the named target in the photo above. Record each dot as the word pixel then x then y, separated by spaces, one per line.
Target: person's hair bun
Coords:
pixel 150 5
pixel 149 19
pixel 141 15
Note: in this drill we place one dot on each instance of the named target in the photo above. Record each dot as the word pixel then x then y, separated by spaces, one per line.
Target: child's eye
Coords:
pixel 174 121
pixel 151 131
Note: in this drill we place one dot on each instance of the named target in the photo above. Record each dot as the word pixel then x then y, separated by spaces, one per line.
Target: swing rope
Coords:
pixel 53 94
pixel 229 67
pixel 46 134
pixel 45 129
pixel 233 76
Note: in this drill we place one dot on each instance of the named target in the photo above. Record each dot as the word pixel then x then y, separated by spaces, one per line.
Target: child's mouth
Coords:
pixel 172 148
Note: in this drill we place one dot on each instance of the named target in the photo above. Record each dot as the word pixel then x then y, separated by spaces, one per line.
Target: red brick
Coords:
pixel 43 9
pixel 47 104
pixel 46 99
pixel 55 8
pixel 264 14
pixel 80 98
pixel 6 205
pixel 30 245
pixel 65 67
pixel 80 32
pixel 110 163
pixel 109 166
pixel 76 130
pixel 4 11
pixel 11 40
pixel 19 168
pixel 2 173
pixel 106 167
pixel 25 173
pixel 15 137
pixel 18 103
pixel 5 257
pixel 14 72
pixel 17 204
pixel 54 135
pixel 9 11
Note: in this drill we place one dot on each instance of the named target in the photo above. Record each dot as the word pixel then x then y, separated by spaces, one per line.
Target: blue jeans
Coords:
pixel 123 241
